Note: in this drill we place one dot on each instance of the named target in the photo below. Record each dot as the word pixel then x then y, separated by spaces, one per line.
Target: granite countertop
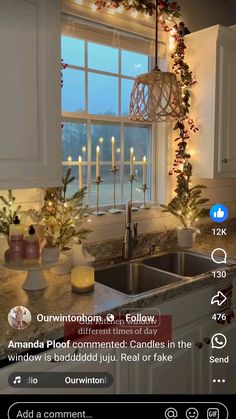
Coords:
pixel 58 298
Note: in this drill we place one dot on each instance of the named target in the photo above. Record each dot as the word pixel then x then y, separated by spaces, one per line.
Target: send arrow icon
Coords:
pixel 219 299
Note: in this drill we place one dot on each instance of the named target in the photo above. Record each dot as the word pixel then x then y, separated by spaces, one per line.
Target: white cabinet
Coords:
pixel 179 376
pixel 211 55
pixel 190 371
pixel 30 118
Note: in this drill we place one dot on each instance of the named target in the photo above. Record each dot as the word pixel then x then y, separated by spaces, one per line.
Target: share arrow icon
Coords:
pixel 219 299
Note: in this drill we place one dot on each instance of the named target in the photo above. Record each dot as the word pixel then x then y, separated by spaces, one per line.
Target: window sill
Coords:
pixel 111 226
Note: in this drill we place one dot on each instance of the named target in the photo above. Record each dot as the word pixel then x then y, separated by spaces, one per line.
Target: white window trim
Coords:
pixel 160 131
pixel 86 117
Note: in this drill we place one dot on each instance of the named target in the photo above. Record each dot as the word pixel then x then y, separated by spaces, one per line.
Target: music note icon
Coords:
pixel 17 380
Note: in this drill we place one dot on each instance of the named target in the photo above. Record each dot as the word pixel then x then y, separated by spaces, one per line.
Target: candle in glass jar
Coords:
pixel 82 279
pixel 97 162
pixel 144 170
pixel 131 161
pixel 113 152
pixel 80 173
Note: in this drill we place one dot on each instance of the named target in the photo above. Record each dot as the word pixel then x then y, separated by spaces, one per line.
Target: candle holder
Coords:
pixel 98 180
pixel 85 206
pixel 114 210
pixel 144 189
pixel 86 213
pixel 132 179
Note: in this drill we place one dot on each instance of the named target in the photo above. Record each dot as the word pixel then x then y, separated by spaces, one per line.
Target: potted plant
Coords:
pixel 51 250
pixel 62 217
pixel 186 206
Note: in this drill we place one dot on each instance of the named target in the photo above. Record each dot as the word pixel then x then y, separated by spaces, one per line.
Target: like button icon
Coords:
pixel 219 213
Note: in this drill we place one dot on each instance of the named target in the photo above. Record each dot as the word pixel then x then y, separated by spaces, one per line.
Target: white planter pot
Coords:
pixel 50 254
pixel 66 267
pixel 4 246
pixel 186 237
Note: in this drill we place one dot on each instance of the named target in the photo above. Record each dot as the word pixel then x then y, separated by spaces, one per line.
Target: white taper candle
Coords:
pixel 80 173
pixel 144 170
pixel 131 161
pixel 97 161
pixel 113 152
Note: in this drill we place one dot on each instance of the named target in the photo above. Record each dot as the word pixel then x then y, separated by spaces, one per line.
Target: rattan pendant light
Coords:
pixel 156 96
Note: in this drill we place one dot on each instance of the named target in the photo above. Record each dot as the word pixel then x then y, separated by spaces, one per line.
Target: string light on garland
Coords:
pixel 172 41
pixel 120 9
pixel 93 7
pixel 112 11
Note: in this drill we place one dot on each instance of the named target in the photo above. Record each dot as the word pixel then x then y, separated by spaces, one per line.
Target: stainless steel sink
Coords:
pixel 133 278
pixel 182 263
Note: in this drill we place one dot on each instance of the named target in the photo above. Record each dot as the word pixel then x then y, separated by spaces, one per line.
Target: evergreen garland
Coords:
pixel 186 204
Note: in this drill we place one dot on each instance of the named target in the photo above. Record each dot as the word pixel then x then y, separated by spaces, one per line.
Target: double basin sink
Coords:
pixel 150 273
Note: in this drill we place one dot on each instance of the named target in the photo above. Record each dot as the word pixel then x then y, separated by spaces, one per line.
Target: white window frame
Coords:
pixel 85 117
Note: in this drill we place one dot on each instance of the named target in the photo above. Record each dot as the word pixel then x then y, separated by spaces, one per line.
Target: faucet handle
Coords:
pixel 151 248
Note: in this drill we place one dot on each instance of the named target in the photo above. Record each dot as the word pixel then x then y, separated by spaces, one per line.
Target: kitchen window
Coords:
pixel 95 103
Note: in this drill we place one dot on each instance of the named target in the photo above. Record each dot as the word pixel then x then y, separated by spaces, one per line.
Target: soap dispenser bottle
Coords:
pixel 31 247
pixel 16 243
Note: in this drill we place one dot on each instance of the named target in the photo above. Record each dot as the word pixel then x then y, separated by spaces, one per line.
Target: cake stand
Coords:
pixel 35 279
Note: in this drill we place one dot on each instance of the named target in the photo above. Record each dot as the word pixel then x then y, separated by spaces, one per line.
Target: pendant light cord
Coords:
pixel 156 35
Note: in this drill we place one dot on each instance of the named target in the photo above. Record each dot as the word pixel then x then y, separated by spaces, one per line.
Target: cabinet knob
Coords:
pixel 207 341
pixel 225 161
pixel 199 345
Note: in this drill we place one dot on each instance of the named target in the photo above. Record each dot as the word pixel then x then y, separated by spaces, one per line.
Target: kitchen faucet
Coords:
pixel 130 238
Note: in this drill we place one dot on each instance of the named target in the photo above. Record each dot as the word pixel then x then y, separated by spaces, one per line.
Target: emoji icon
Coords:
pixel 192 413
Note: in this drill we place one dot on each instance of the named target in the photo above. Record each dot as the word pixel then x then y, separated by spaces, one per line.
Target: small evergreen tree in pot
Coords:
pixel 62 216
pixel 187 206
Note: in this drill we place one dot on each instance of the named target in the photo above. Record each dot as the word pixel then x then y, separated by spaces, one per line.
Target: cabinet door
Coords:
pixel 211 55
pixel 177 377
pixel 30 93
pixel 214 371
pixel 225 109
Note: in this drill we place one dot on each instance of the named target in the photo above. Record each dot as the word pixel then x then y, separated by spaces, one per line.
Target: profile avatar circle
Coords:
pixel 19 318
